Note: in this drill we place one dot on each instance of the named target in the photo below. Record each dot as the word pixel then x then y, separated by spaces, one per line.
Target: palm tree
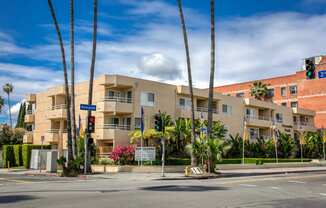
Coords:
pixel 212 71
pixel 91 76
pixel 72 76
pixel 185 38
pixel 8 88
pixel 2 102
pixel 63 56
pixel 259 90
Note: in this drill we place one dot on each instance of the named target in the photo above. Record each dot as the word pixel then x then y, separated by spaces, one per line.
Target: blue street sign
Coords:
pixel 87 107
pixel 322 74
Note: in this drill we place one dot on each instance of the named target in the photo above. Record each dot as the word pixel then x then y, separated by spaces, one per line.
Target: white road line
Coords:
pixel 248 185
pixel 275 187
pixel 300 182
pixel 323 194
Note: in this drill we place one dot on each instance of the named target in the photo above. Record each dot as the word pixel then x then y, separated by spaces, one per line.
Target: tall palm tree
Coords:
pixel 212 71
pixel 2 102
pixel 72 76
pixel 63 56
pixel 211 80
pixel 259 90
pixel 91 76
pixel 8 88
pixel 185 38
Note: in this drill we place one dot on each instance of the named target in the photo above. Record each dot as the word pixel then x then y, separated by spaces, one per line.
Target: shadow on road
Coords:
pixel 184 188
pixel 15 198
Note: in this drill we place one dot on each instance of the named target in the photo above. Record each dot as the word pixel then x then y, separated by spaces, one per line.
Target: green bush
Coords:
pixel 27 151
pixel 259 160
pixel 8 156
pixel 18 155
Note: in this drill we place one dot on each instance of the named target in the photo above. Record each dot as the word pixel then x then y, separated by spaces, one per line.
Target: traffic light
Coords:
pixel 91 124
pixel 158 122
pixel 310 68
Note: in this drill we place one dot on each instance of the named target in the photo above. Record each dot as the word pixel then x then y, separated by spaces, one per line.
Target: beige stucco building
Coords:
pixel 119 100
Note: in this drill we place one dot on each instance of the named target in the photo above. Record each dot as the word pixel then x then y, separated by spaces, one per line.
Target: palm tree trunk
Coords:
pixel 63 56
pixel 185 38
pixel 9 106
pixel 91 77
pixel 211 82
pixel 212 70
pixel 72 76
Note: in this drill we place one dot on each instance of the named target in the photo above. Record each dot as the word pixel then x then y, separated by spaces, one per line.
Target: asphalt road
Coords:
pixel 132 190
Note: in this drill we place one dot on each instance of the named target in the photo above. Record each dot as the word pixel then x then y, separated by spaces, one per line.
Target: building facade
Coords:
pixel 119 100
pixel 292 91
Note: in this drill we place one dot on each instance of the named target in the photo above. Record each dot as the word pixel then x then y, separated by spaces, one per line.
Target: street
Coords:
pixel 148 190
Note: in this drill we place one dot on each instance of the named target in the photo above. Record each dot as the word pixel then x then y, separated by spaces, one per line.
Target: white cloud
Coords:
pixel 159 65
pixel 15 109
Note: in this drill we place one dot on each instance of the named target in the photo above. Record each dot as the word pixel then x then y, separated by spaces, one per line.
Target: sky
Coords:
pixel 255 39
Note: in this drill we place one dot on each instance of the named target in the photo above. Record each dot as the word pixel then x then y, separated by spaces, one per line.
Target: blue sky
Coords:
pixel 255 39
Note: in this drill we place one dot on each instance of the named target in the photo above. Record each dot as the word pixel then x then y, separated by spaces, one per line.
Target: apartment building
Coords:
pixel 119 100
pixel 291 90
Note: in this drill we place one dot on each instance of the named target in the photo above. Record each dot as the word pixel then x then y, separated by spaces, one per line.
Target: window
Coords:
pixel 270 93
pixel 227 109
pixel 147 99
pixel 240 94
pixel 250 112
pixel 283 104
pixel 137 123
pixel 279 118
pixel 254 133
pixel 283 91
pixel 293 90
pixel 182 102
pixel 294 104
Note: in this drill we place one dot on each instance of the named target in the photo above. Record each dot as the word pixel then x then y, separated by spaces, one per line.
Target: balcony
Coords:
pixel 258 121
pixel 200 112
pixel 205 109
pixel 117 133
pixel 28 138
pixel 57 112
pixel 53 135
pixel 31 98
pixel 116 105
pixel 29 118
pixel 303 126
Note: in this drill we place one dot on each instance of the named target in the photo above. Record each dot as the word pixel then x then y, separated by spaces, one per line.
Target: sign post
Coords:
pixel 40 159
pixel 88 108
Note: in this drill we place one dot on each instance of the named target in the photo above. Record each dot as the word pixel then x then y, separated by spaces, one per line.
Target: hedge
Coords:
pixel 8 156
pixel 263 160
pixel 27 152
pixel 18 155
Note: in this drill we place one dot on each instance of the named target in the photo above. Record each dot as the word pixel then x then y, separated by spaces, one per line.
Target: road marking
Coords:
pixel 275 187
pixel 248 185
pixel 323 194
pixel 300 182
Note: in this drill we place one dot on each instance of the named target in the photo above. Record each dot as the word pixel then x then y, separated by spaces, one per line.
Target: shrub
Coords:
pixel 8 156
pixel 106 161
pixel 27 151
pixel 123 155
pixel 18 154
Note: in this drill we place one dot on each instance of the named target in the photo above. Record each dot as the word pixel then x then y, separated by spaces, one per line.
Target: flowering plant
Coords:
pixel 123 155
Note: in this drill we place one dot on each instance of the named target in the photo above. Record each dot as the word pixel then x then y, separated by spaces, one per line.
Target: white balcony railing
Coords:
pixel 116 126
pixel 205 109
pixel 118 99
pixel 57 107
pixel 254 117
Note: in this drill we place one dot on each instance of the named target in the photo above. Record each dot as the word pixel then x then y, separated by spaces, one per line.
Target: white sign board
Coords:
pixel 148 154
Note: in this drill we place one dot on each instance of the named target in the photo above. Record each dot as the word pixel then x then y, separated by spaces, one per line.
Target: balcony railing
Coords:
pixel 116 126
pixel 57 107
pixel 29 112
pixel 302 124
pixel 264 118
pixel 56 131
pixel 118 99
pixel 205 109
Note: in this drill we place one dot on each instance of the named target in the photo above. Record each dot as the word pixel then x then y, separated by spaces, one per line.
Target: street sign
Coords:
pixel 322 74
pixel 87 107
pixel 148 154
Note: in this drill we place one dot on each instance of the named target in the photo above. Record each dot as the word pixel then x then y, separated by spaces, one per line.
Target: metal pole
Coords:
pixel 324 138
pixel 275 143
pixel 85 151
pixel 301 152
pixel 163 156
pixel 243 145
pixel 141 148
pixel 40 162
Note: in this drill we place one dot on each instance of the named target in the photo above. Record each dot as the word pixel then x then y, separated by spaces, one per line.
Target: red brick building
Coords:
pixel 291 90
